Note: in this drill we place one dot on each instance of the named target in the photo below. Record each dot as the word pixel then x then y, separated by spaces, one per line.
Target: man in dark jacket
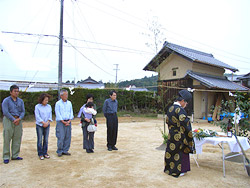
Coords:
pixel 110 109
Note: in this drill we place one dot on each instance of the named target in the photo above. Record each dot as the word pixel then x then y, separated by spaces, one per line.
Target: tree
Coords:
pixel 240 100
pixel 155 35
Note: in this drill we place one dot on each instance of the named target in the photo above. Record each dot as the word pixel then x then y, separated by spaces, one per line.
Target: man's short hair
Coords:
pixel 89 96
pixel 63 91
pixel 13 87
pixel 111 92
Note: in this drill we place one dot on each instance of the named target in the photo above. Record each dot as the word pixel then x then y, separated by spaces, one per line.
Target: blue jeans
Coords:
pixel 63 134
pixel 42 140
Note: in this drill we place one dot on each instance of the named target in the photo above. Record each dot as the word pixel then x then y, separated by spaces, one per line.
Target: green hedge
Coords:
pixel 139 101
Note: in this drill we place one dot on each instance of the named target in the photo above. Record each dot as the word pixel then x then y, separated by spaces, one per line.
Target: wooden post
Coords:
pixel 206 104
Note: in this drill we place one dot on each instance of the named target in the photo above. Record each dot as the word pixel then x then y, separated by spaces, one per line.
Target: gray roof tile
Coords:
pixel 193 55
pixel 198 56
pixel 215 82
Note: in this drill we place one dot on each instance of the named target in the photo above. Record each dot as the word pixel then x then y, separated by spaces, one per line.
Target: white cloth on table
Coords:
pixel 232 142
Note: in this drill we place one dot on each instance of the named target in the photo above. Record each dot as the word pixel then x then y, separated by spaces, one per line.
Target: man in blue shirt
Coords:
pixel 13 111
pixel 64 115
pixel 110 109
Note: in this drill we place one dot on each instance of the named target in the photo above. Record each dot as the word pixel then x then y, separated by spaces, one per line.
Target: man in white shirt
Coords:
pixel 64 115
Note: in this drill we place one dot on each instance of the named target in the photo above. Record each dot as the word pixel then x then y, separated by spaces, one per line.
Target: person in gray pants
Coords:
pixel 13 111
pixel 88 137
pixel 64 115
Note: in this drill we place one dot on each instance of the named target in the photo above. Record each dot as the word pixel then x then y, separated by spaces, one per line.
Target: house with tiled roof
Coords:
pixel 90 84
pixel 180 67
pixel 245 80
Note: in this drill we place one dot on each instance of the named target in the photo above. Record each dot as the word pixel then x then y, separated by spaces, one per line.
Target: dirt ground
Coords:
pixel 137 163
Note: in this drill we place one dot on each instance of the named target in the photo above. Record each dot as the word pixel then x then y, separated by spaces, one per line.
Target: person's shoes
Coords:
pixel 59 154
pixel 92 151
pixel 41 157
pixel 109 149
pixel 6 161
pixel 18 158
pixel 182 174
pixel 88 151
pixel 66 153
pixel 114 148
pixel 46 156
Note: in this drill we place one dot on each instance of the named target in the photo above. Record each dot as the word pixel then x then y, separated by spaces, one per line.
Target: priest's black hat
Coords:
pixel 185 94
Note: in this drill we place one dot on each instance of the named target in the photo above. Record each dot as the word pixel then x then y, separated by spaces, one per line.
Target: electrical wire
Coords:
pixel 88 58
pixel 104 49
pixel 183 36
pixel 140 26
pixel 120 11
pixel 82 15
pixel 96 56
pixel 110 45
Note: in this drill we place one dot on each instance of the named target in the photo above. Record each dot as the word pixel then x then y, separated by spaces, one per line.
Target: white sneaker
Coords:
pixel 41 157
pixel 182 174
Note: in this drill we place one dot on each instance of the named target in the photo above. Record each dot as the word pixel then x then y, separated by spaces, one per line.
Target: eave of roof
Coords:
pixel 191 54
pixel 215 82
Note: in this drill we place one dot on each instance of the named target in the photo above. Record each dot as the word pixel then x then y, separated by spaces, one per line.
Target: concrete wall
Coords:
pixel 197 105
pixel 181 65
pixel 200 103
pixel 173 61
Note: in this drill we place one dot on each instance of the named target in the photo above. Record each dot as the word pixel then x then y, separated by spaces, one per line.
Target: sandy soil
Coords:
pixel 137 163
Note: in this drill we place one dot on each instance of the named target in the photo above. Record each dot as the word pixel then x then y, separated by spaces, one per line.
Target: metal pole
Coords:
pixel 116 69
pixel 223 159
pixel 60 51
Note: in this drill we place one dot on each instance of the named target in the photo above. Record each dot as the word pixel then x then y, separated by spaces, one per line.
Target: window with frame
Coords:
pixel 174 71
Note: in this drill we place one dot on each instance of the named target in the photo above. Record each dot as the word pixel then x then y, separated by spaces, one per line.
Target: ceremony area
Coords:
pixel 137 163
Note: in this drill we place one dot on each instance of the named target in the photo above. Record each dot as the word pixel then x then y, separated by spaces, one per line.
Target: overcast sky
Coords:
pixel 111 32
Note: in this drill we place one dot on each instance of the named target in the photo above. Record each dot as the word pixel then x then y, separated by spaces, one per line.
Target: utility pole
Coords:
pixel 60 51
pixel 116 69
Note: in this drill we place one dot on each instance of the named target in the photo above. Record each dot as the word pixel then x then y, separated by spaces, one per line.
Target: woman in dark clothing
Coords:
pixel 180 139
pixel 88 137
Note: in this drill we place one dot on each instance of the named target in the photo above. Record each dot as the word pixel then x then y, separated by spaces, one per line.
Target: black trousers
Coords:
pixel 112 129
pixel 88 138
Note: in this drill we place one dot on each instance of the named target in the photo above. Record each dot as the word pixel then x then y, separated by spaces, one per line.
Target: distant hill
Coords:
pixel 143 82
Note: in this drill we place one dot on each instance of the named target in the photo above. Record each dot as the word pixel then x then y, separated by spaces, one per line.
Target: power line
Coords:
pixel 104 49
pixel 110 45
pixel 120 11
pixel 162 28
pixel 48 35
pixel 43 28
pixel 92 34
pixel 115 16
pixel 183 36
pixel 88 58
pixel 82 36
pixel 30 34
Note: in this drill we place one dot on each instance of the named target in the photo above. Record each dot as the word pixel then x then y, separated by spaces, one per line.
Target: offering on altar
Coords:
pixel 202 133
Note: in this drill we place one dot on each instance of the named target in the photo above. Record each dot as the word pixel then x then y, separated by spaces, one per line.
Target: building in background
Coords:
pixel 179 68
pixel 245 80
pixel 134 88
pixel 90 84
pixel 32 86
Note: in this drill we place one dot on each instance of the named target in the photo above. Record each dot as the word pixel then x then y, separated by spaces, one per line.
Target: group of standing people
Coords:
pixel 14 111
pixel 180 140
